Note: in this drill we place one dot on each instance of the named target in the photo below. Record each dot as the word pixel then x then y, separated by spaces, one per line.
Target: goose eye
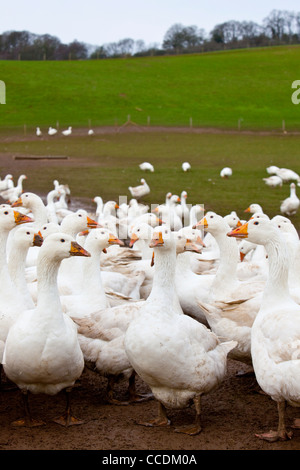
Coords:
pixel 28 233
pixel 256 223
pixel 211 216
pixel 62 240
pixel 79 215
pixel 6 212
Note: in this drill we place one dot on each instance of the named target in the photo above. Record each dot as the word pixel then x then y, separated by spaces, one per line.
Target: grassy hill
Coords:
pixel 214 89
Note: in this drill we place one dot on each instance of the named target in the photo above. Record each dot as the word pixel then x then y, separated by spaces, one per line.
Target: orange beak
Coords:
pixel 21 218
pixel 133 239
pixel 84 233
pixel 78 250
pixel 239 223
pixel 190 246
pixel 92 223
pixel 17 203
pixel 201 224
pixel 157 240
pixel 239 232
pixel 152 259
pixel 242 256
pixel 37 239
pixel 113 240
pixel 247 210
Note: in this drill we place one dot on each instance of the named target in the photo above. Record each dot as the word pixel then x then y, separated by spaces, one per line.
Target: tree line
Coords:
pixel 278 28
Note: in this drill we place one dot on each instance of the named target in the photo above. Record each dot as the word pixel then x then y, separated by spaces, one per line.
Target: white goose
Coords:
pixel 226 172
pixel 146 166
pixel 291 204
pixel 42 353
pixel 186 166
pixel 67 131
pixel 179 358
pixel 140 191
pixel 11 302
pixel 275 334
pixel 38 132
pixel 273 181
pixel 12 194
pixel 6 183
pixel 52 131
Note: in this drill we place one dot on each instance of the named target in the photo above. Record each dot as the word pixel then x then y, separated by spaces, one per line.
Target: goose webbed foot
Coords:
pixel 67 419
pixel 281 434
pixel 273 436
pixel 161 420
pixel 195 428
pixel 27 421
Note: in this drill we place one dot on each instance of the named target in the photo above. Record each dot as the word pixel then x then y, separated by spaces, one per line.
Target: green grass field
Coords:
pixel 212 89
pixel 106 165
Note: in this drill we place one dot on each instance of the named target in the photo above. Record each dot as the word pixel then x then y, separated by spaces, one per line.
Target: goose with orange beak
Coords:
pixel 42 352
pixel 275 334
pixel 178 357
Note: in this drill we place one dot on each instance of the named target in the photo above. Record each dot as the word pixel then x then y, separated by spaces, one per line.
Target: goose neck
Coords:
pixel 48 299
pixel 163 288
pixel 276 289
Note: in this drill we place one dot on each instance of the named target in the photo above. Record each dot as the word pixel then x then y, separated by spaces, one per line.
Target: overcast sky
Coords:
pixel 98 22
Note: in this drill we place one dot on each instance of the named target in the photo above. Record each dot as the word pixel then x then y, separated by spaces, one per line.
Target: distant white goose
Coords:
pixel 90 132
pixel 67 131
pixel 141 190
pixel 186 166
pixel 6 183
pixel 52 131
pixel 273 181
pixel 226 172
pixel 146 166
pixel 287 175
pixel 42 352
pixel 291 204
pixel 12 194
pixel 254 209
pixel 38 132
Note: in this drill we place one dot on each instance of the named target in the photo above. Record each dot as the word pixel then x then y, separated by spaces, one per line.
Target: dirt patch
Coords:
pixel 231 415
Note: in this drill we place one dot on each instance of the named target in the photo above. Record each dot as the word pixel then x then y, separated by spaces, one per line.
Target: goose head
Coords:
pixel 26 200
pixel 49 228
pixel 142 231
pixel 77 222
pixel 27 237
pixel 163 238
pixel 233 220
pixel 100 239
pixel 59 246
pixel 256 231
pixel 9 218
pixel 253 208
pixel 212 223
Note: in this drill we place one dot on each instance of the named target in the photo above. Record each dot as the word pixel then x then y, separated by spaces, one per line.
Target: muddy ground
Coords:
pixel 231 416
